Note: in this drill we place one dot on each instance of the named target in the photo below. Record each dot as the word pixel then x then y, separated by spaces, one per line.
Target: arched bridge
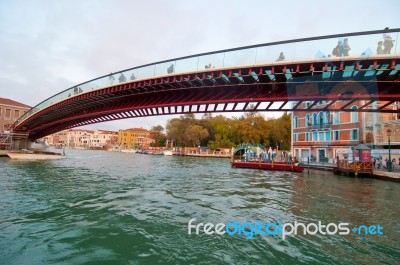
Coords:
pixel 267 77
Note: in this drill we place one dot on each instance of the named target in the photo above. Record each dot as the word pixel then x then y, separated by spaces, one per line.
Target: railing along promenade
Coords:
pixel 319 49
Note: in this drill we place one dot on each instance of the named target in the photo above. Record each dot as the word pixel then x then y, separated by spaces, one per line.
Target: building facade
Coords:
pixel 134 138
pixel 322 135
pixel 10 111
pixel 79 138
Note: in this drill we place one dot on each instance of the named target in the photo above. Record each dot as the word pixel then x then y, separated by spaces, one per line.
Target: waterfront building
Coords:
pixel 148 142
pixel 134 138
pixel 80 138
pixel 102 139
pixel 10 111
pixel 322 135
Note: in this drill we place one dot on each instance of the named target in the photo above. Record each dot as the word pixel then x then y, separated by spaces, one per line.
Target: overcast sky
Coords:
pixel 48 46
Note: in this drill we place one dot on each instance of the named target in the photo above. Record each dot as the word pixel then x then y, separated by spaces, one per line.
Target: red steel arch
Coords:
pixel 231 89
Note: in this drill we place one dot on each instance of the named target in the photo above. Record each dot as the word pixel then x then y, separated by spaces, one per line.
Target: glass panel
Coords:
pixel 241 57
pixel 131 74
pixel 211 61
pixel 396 48
pixel 165 68
pixel 271 54
pixel 188 65
pixel 147 71
pixel 121 78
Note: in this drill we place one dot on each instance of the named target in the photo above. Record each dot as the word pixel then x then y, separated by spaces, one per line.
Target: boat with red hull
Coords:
pixel 258 157
pixel 281 166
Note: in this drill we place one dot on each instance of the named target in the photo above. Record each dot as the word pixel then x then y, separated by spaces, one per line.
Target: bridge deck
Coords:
pixel 243 79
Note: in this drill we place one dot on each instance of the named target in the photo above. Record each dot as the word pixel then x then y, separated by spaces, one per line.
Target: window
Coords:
pixel 354 134
pixel 307 104
pixel 327 136
pixel 296 122
pixel 354 115
pixel 321 136
pixel 315 121
pixel 321 118
pixel 315 136
pixel 327 117
pixel 308 124
pixel 295 137
pixel 336 118
pixel 336 136
pixel 16 114
pixel 308 137
pixel 8 114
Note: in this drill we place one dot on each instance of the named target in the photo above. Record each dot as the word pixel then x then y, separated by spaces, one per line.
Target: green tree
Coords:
pixel 252 128
pixel 157 134
pixel 220 131
pixel 195 133
pixel 223 132
pixel 175 129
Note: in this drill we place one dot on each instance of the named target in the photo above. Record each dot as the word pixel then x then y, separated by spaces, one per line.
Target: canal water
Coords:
pixel 98 207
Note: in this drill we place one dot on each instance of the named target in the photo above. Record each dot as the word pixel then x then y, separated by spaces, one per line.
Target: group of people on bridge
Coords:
pixel 121 78
pixel 384 47
pixel 341 49
pixel 387 44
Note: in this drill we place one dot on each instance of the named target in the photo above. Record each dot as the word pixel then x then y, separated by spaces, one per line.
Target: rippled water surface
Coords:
pixel 98 207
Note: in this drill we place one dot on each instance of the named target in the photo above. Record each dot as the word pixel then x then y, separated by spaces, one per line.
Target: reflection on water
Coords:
pixel 119 208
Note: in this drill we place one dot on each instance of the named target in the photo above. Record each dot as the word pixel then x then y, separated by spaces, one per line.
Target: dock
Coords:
pixel 354 167
pixel 385 175
pixel 218 155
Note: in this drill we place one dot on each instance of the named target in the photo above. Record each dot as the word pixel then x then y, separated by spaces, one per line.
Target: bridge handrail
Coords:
pixel 362 44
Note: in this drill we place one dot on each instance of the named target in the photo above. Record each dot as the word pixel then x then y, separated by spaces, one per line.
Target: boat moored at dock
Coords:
pixel 280 166
pixel 258 157
pixel 34 155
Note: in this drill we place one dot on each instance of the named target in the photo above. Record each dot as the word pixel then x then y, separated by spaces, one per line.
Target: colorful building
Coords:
pixel 322 135
pixel 80 138
pixel 134 138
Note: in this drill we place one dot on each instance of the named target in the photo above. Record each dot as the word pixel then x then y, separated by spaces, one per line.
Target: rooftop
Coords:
pixel 10 102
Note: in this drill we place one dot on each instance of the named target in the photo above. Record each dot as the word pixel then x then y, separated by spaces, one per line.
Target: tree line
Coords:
pixel 223 132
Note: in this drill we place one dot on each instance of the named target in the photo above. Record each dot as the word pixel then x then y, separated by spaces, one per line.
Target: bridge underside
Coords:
pixel 252 88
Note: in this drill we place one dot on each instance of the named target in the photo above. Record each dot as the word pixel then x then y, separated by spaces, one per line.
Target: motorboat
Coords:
pixel 168 153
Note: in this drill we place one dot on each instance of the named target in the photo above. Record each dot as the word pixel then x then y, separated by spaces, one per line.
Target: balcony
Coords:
pixel 322 126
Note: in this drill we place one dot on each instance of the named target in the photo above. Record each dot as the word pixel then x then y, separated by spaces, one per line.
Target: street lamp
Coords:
pixel 389 133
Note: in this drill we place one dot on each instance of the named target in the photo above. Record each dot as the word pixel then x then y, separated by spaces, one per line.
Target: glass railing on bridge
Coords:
pixel 353 45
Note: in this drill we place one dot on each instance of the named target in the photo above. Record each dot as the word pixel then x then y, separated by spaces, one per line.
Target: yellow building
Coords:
pixel 133 138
